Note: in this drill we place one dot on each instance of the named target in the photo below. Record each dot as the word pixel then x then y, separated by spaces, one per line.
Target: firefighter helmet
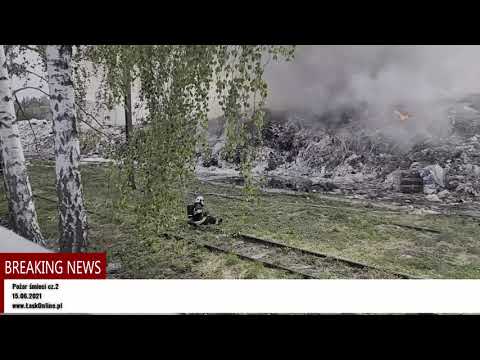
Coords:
pixel 199 200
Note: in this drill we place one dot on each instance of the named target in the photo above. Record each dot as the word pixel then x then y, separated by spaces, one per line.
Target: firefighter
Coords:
pixel 198 214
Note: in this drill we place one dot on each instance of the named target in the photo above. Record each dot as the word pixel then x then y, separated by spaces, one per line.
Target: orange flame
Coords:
pixel 404 116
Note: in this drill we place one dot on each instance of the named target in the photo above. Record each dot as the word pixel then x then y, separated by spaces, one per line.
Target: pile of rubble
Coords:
pixel 38 141
pixel 333 152
pixel 308 155
pixel 452 165
pixel 37 138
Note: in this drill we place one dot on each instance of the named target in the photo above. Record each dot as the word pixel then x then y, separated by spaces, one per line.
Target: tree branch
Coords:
pixel 39 76
pixel 30 87
pixel 31 48
pixel 79 106
pixel 91 127
pixel 88 114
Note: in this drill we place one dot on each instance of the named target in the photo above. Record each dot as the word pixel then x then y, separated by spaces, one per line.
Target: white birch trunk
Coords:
pixel 17 185
pixel 72 214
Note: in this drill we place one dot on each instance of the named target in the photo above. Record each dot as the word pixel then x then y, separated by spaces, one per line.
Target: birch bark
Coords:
pixel 17 185
pixel 72 215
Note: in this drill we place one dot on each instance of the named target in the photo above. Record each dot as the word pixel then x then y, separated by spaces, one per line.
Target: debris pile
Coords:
pixel 95 144
pixel 452 164
pixel 408 181
pixel 38 140
pixel 344 155
pixel 334 152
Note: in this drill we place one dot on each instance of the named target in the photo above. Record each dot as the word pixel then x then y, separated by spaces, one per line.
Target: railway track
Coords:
pixel 304 263
pixel 318 206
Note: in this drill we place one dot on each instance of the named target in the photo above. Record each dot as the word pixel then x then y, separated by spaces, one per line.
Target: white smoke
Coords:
pixel 417 78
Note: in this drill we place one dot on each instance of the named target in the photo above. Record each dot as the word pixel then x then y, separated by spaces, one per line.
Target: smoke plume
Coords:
pixel 418 80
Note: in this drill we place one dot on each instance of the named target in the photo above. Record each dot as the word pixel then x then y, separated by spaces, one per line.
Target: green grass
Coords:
pixel 335 227
pixel 153 257
pixel 358 233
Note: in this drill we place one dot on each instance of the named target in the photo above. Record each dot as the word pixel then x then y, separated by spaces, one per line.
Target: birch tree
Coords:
pixel 18 190
pixel 174 85
pixel 128 110
pixel 72 214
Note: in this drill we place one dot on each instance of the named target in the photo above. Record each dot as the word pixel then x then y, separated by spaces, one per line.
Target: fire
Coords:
pixel 404 116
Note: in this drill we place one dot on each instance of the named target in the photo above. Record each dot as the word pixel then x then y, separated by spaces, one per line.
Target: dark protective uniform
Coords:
pixel 198 215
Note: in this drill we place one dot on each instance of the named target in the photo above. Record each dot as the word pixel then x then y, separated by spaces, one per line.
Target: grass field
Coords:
pixel 312 222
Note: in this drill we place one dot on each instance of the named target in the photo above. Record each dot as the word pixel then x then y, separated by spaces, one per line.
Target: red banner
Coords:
pixel 51 266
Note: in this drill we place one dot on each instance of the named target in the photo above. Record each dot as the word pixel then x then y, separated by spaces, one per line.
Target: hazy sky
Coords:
pixel 326 72
pixel 324 77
